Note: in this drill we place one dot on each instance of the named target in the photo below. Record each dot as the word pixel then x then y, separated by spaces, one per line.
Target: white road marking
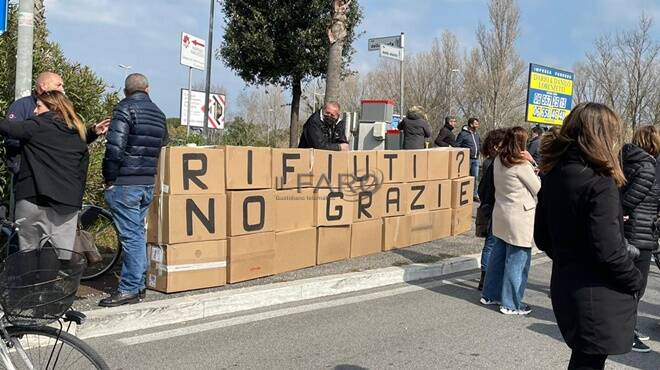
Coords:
pixel 194 329
pixel 213 325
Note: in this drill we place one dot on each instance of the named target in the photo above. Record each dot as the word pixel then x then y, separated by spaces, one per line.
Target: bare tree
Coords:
pixel 504 68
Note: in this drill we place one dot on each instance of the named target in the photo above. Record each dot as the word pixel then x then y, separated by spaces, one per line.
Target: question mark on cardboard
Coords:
pixel 460 161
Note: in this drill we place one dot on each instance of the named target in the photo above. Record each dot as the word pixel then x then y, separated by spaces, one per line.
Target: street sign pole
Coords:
pixel 24 49
pixel 209 61
pixel 401 73
pixel 189 102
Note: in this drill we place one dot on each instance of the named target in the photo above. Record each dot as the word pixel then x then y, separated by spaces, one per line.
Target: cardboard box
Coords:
pixel 330 169
pixel 438 164
pixel 191 170
pixel 441 224
pixel 295 249
pixel 394 198
pixel 187 218
pixel 250 212
pixel 440 194
pixel 461 221
pixel 419 197
pixel 294 209
pixel 421 230
pixel 417 165
pixel 332 208
pixel 396 232
pixel 247 167
pixel 333 243
pixel 188 266
pixel 459 162
pixel 250 256
pixel 366 238
pixel 291 168
pixel 369 204
pixel 462 192
pixel 392 165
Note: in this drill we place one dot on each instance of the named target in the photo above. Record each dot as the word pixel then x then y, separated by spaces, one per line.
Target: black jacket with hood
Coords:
pixel 639 198
pixel 318 134
pixel 446 137
pixel 415 131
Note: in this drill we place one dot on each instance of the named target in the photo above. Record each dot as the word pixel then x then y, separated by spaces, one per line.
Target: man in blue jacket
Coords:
pixel 469 138
pixel 137 133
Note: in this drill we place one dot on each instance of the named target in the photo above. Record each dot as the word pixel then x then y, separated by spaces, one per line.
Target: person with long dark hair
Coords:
pixel 486 191
pixel 53 171
pixel 516 186
pixel 579 224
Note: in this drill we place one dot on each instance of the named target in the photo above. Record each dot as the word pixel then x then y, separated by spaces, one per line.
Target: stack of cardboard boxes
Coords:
pixel 267 211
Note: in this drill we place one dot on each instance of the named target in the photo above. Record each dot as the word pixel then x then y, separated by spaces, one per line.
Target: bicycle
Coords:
pixel 98 221
pixel 37 288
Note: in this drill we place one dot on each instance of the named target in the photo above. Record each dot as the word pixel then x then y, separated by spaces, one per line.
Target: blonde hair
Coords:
pixel 57 102
pixel 417 110
pixel 648 138
pixel 596 131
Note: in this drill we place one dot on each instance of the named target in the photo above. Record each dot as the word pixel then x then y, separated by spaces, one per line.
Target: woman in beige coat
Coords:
pixel 516 187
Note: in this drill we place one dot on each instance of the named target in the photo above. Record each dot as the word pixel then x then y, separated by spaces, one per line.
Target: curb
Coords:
pixel 140 316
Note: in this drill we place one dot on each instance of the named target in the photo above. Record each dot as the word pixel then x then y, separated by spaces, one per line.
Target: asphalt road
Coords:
pixel 436 324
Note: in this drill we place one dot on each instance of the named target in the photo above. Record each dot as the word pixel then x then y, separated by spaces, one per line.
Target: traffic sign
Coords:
pixel 216 109
pixel 193 51
pixel 375 43
pixel 391 52
pixel 4 14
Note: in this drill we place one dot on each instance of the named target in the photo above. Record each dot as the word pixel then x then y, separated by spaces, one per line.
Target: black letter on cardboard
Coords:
pixel 389 158
pixel 190 175
pixel 339 208
pixel 262 213
pixel 249 167
pixel 420 190
pixel 208 222
pixel 362 207
pixel 286 169
pixel 464 199
pixel 396 200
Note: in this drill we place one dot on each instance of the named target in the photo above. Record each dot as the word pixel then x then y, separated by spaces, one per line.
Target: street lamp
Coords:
pixel 451 85
pixel 126 69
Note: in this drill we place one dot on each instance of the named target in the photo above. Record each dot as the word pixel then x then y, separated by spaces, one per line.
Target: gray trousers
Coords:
pixel 43 223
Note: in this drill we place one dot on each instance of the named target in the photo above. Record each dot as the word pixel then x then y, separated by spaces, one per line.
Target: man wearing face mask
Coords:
pixel 324 129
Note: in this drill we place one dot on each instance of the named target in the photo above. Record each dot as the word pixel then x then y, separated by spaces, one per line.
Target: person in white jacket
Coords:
pixel 516 188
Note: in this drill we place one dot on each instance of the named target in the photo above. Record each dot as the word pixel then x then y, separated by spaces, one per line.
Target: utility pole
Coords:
pixel 403 48
pixel 209 61
pixel 451 86
pixel 24 49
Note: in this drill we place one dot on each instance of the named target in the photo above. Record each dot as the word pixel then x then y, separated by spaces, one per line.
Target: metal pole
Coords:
pixel 401 73
pixel 209 57
pixel 189 101
pixel 24 49
pixel 451 83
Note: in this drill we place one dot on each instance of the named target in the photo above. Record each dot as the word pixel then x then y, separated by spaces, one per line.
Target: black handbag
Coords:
pixel 482 222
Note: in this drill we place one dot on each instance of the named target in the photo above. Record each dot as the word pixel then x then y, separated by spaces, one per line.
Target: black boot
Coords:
pixel 481 280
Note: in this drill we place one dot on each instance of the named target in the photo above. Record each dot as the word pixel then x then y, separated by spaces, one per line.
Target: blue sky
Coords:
pixel 145 33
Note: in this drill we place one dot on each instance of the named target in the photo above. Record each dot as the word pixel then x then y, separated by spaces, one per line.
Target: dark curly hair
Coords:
pixel 492 142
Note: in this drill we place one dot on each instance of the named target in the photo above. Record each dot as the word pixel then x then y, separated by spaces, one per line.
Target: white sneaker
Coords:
pixel 488 302
pixel 507 311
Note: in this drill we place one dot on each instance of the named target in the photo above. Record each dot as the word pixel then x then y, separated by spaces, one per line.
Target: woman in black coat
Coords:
pixel 51 180
pixel 579 224
pixel 639 198
pixel 415 129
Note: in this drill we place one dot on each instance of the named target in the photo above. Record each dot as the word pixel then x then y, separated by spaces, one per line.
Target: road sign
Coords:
pixel 216 109
pixel 549 95
pixel 391 52
pixel 193 51
pixel 4 14
pixel 375 43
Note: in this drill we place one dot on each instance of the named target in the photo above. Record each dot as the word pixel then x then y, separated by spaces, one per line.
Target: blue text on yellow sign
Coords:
pixel 549 95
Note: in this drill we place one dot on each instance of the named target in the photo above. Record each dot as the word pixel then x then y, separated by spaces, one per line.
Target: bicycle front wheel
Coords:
pixel 49 348
pixel 99 222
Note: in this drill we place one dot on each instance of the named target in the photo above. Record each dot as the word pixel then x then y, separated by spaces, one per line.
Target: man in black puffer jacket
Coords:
pixel 137 133
pixel 640 206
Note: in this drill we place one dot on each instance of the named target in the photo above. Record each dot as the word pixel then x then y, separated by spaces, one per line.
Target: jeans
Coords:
pixel 474 171
pixel 506 277
pixel 489 243
pixel 129 205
